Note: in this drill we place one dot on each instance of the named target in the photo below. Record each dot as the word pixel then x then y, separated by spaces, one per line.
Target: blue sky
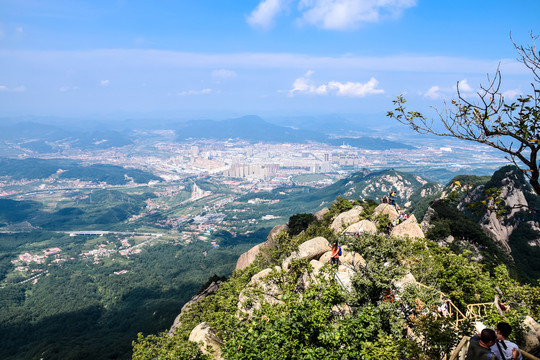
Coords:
pixel 223 58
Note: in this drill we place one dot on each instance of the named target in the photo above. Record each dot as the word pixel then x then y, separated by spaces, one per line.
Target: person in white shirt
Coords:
pixel 503 348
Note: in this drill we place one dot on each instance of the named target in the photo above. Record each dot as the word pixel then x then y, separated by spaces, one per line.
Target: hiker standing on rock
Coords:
pixel 336 252
pixel 392 198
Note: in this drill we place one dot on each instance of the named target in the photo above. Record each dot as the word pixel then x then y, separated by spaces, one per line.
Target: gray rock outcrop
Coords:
pixel 310 249
pixel 249 256
pixel 345 219
pixel 195 299
pixel 427 220
pixel 258 285
pixel 276 230
pixel 319 215
pixel 202 333
pixel 532 336
pixel 361 227
pixel 408 228
pixel 388 210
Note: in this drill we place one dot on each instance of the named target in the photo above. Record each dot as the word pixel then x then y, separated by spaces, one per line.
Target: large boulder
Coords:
pixel 249 256
pixel 387 209
pixel 408 228
pixel 249 298
pixel 361 227
pixel 325 258
pixel 345 219
pixel 202 333
pixel 311 249
pixel 353 259
pixel 319 215
pixel 344 277
pixel 532 336
pixel 195 299
pixel 402 283
pixel 275 230
pixel 317 265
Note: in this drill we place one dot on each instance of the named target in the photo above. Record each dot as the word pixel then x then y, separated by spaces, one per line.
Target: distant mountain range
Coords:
pixel 49 138
pixel 253 128
pixel 43 138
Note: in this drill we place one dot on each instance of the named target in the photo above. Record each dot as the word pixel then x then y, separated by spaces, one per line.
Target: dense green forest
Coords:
pixel 83 311
pixel 34 168
pixel 100 208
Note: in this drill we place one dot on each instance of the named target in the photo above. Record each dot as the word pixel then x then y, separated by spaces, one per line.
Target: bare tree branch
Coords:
pixel 513 128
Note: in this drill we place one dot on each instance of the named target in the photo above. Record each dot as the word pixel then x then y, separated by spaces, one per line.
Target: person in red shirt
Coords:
pixel 336 252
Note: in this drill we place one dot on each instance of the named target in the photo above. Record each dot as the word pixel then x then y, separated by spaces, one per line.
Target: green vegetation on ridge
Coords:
pixel 323 321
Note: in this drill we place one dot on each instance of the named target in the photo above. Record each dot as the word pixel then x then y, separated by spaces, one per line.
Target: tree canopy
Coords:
pixel 489 119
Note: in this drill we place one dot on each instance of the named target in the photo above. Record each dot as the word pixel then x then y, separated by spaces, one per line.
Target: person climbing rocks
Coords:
pixel 336 252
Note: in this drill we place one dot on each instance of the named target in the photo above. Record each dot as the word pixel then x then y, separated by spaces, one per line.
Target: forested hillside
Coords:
pixel 30 169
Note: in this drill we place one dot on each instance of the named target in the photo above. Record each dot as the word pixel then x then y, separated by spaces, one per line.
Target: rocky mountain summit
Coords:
pixel 262 288
pixel 504 208
pixel 286 300
pixel 499 220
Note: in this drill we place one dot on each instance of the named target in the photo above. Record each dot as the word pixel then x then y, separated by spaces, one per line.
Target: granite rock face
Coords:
pixel 311 249
pixel 249 256
pixel 361 227
pixel 408 228
pixel 202 333
pixel 345 219
pixel 209 290
pixel 387 209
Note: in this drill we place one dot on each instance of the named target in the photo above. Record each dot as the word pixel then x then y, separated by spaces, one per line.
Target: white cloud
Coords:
pixel 511 94
pixel 223 73
pixel 356 88
pixel 304 85
pixel 19 88
pixel 104 82
pixel 349 14
pixel 464 86
pixel 194 92
pixel 433 93
pixel 264 14
pixel 437 92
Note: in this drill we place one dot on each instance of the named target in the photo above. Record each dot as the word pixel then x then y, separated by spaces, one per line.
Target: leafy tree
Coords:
pixel 299 222
pixel 512 128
